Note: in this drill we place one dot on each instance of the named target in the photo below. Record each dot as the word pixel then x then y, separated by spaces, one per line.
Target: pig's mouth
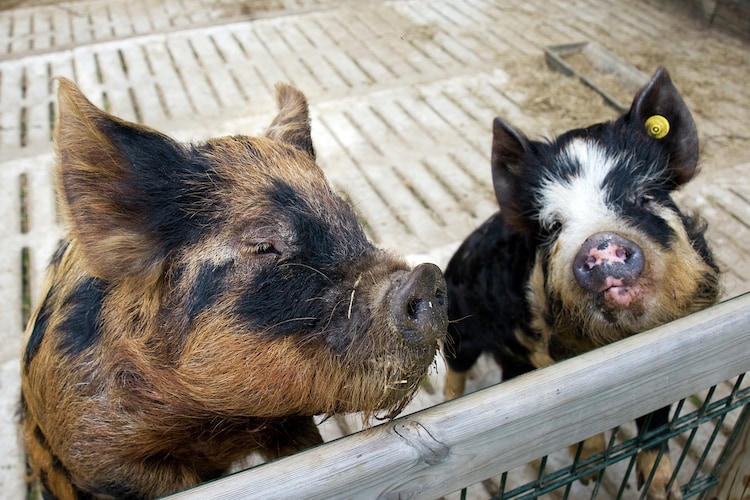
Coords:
pixel 617 295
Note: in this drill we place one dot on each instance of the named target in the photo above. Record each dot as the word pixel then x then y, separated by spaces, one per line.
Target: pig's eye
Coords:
pixel 264 248
pixel 553 226
pixel 644 200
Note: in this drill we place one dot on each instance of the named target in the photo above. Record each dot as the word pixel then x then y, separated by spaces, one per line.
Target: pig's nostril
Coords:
pixel 418 306
pixel 440 297
pixel 590 262
pixel 413 307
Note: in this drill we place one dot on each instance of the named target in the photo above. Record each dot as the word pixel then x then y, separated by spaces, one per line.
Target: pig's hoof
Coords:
pixel 657 489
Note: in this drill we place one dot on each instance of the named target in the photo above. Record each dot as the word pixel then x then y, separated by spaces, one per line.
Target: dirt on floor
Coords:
pixel 708 91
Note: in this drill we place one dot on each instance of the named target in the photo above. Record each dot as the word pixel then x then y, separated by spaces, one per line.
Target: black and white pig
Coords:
pixel 588 247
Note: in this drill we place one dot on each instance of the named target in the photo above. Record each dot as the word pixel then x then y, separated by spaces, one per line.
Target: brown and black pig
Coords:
pixel 588 247
pixel 208 300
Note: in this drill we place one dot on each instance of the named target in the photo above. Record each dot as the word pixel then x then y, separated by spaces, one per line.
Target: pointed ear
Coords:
pixel 675 131
pixel 292 123
pixel 112 185
pixel 509 147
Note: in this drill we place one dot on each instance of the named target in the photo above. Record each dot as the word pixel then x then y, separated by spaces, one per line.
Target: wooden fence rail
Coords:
pixel 453 445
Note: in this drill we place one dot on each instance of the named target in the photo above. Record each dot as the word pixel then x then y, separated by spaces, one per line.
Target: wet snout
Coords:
pixel 418 304
pixel 607 260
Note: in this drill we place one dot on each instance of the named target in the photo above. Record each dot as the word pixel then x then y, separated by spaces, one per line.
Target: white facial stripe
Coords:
pixel 579 201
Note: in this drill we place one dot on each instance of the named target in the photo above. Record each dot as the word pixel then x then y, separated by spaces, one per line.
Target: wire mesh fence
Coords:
pixel 705 429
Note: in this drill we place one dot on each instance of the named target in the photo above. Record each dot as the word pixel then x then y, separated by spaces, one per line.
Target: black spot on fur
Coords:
pixel 81 327
pixel 37 334
pixel 650 224
pixel 299 291
pixel 287 298
pixel 40 437
pixel 167 191
pixel 43 315
pixel 696 230
pixel 59 252
pixel 323 237
pixel 642 173
pixel 209 284
pixel 313 236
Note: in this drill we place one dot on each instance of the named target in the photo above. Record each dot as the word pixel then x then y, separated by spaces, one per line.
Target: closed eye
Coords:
pixel 264 248
pixel 554 226
pixel 644 200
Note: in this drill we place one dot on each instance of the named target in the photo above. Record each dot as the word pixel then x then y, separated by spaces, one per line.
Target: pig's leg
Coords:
pixel 647 460
pixel 290 435
pixel 454 384
pixel 590 447
pixel 459 361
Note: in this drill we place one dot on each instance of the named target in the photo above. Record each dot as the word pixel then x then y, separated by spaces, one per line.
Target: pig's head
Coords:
pixel 205 291
pixel 614 255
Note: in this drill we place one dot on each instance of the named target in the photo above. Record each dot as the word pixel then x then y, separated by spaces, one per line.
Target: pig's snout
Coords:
pixel 607 260
pixel 418 303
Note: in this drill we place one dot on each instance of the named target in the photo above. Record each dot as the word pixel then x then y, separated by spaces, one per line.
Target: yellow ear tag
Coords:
pixel 657 126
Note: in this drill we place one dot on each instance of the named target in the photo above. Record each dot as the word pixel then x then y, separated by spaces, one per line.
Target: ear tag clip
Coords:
pixel 657 126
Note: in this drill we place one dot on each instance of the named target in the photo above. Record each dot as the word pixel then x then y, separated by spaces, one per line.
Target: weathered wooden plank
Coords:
pixel 449 446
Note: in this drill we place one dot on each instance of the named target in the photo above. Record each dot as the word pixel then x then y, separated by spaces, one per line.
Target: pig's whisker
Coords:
pixel 310 268
pixel 351 299
pixel 302 318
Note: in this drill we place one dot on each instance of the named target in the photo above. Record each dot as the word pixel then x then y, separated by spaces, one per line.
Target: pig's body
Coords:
pixel 588 246
pixel 208 301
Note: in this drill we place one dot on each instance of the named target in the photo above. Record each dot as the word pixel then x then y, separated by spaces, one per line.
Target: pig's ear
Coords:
pixel 509 147
pixel 660 112
pixel 109 174
pixel 292 123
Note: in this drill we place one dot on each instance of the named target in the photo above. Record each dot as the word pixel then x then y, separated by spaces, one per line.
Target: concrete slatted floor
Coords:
pixel 402 95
